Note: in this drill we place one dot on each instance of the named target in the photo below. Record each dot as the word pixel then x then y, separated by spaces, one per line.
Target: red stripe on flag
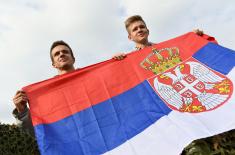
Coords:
pixel 65 95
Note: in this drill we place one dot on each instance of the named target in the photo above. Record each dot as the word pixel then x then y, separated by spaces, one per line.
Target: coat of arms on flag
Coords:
pixel 187 86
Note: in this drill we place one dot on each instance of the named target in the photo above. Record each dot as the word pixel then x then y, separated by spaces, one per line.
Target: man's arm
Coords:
pixel 21 112
pixel 24 121
pixel 121 56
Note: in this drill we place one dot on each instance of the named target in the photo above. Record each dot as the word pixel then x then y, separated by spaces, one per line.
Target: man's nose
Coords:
pixel 140 30
pixel 61 54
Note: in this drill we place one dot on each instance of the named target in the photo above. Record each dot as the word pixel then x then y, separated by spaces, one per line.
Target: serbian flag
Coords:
pixel 155 101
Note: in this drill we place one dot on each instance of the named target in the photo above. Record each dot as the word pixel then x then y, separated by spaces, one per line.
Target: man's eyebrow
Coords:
pixel 134 28
pixel 56 52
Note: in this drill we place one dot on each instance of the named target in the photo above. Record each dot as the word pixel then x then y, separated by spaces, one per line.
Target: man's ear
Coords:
pixel 129 37
pixel 53 65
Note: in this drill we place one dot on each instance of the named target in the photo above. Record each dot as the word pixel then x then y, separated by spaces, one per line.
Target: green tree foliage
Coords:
pixel 222 144
pixel 13 141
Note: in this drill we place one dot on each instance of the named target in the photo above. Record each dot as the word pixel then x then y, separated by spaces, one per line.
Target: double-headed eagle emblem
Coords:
pixel 190 86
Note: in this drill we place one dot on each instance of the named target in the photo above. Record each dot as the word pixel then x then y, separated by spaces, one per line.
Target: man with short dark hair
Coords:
pixel 63 60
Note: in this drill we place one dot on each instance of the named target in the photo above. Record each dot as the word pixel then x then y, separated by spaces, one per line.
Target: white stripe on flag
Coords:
pixel 172 133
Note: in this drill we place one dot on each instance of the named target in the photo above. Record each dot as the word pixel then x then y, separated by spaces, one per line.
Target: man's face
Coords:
pixel 62 58
pixel 138 32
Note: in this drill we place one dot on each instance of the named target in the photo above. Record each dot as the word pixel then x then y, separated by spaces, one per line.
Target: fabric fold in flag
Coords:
pixel 155 101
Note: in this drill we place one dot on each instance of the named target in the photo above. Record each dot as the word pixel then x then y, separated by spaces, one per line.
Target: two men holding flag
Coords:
pixel 63 59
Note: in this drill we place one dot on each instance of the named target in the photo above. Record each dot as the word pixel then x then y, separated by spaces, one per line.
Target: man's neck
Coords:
pixel 140 46
pixel 60 72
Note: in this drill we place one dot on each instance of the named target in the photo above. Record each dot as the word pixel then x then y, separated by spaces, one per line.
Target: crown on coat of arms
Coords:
pixel 161 60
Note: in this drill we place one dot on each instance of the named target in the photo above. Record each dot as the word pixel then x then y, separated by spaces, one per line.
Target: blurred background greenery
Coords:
pixel 14 141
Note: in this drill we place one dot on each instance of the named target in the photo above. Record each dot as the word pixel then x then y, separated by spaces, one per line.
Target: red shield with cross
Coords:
pixel 192 87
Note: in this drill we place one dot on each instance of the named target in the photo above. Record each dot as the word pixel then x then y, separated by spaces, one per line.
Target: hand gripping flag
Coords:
pixel 155 101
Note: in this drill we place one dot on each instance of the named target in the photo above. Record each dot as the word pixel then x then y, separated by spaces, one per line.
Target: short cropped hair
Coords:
pixel 133 19
pixel 57 43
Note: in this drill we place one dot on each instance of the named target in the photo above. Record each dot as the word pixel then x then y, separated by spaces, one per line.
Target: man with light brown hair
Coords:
pixel 138 32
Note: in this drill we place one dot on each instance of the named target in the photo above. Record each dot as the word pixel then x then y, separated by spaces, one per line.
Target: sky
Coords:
pixel 95 30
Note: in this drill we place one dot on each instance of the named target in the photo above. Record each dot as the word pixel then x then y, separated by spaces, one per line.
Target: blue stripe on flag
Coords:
pixel 216 57
pixel 105 125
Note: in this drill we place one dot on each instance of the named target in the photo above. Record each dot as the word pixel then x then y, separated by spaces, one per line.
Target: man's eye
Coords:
pixel 65 51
